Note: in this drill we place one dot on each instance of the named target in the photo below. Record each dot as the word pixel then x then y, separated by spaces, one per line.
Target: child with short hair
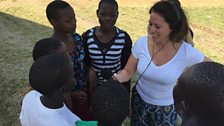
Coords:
pixel 50 76
pixel 62 17
pixel 110 103
pixel 199 95
pixel 107 46
pixel 48 46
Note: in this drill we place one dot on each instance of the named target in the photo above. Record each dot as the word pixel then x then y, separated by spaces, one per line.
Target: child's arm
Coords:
pixel 85 46
pixel 92 80
pixel 126 52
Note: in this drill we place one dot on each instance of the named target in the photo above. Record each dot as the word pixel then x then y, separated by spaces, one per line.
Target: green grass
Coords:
pixel 23 23
pixel 208 26
pixel 209 17
pixel 133 20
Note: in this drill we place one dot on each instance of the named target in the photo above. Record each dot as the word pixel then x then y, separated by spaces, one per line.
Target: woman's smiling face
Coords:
pixel 158 28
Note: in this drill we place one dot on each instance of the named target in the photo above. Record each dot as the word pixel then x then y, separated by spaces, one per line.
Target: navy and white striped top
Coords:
pixel 112 55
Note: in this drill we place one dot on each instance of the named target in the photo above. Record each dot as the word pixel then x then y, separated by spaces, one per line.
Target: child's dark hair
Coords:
pixel 49 73
pixel 175 17
pixel 203 92
pixel 45 46
pixel 112 2
pixel 53 7
pixel 176 2
pixel 110 103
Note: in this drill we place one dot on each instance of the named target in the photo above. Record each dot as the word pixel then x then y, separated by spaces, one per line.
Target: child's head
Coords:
pixel 107 13
pixel 202 91
pixel 48 46
pixel 110 103
pixel 51 73
pixel 62 16
pixel 175 2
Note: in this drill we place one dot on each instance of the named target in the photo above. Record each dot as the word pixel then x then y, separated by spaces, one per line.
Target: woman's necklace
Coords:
pixel 153 55
pixel 153 47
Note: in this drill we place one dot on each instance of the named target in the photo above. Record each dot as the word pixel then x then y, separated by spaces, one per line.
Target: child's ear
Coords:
pixel 53 22
pixel 97 12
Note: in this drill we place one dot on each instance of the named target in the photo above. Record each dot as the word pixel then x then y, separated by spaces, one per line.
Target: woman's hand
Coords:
pixel 114 76
pixel 128 71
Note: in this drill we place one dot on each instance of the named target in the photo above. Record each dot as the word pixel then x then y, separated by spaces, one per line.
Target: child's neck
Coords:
pixel 52 102
pixel 107 31
pixel 62 36
pixel 105 35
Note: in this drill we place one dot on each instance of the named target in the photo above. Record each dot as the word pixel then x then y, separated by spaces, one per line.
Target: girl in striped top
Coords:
pixel 106 46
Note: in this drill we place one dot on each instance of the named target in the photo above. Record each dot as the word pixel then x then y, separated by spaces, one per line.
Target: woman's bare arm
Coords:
pixel 128 71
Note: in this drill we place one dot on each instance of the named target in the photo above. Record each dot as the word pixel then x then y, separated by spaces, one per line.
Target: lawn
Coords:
pixel 23 22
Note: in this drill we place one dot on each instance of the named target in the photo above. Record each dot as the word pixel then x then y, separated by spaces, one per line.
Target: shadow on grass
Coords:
pixel 17 38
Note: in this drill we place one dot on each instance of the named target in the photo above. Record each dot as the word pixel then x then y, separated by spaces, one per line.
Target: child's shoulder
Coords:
pixel 121 30
pixel 122 33
pixel 90 30
pixel 32 93
pixel 76 36
pixel 88 33
pixel 31 97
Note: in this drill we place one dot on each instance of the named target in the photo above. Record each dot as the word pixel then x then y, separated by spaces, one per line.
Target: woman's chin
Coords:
pixel 154 39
